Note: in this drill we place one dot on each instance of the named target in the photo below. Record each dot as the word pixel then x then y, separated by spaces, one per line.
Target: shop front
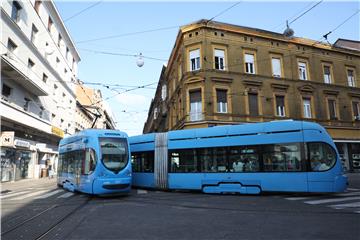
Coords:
pixel 350 154
pixel 16 158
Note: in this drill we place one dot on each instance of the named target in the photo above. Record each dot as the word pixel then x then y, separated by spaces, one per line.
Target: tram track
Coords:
pixel 52 226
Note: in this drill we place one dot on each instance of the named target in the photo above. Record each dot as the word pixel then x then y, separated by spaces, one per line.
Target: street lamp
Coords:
pixel 140 60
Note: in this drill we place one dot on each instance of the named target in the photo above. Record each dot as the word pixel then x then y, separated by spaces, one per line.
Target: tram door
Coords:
pixel 161 161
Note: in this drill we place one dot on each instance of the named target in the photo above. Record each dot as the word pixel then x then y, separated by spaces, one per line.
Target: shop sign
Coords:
pixel 21 143
pixel 7 139
pixel 57 131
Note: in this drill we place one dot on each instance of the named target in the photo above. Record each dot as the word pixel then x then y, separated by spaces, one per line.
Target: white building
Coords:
pixel 38 71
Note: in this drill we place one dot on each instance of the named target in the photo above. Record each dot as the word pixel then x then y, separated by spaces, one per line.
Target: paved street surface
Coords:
pixel 37 209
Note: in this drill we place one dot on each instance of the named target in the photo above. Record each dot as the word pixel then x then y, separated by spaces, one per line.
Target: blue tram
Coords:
pixel 95 161
pixel 289 156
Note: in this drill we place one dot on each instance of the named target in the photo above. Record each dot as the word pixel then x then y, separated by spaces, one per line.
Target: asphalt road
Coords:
pixel 40 210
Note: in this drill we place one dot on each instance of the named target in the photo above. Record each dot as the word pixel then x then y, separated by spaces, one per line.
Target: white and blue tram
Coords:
pixel 95 161
pixel 289 156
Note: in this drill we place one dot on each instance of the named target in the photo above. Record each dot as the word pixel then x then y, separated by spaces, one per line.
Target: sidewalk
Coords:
pixel 27 183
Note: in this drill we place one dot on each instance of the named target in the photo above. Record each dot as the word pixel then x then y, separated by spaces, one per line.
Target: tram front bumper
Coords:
pixel 111 185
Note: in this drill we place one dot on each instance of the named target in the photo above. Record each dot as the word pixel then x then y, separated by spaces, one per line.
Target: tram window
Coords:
pixel 243 159
pixel 147 162
pixel 90 161
pixel 183 160
pixel 60 160
pixel 71 163
pixel 282 157
pixel 135 162
pixel 114 153
pixel 142 161
pixel 322 156
pixel 219 162
pixel 206 159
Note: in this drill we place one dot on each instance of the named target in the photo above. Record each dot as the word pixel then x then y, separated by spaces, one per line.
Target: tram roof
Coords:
pixel 228 130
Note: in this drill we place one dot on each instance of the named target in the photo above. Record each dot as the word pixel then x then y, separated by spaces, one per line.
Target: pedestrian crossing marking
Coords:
pixel 29 195
pixel 140 191
pixel 329 200
pixel 13 194
pixel 66 195
pixel 297 198
pixel 345 200
pixel 353 189
pixel 49 194
pixel 346 205
pixel 346 194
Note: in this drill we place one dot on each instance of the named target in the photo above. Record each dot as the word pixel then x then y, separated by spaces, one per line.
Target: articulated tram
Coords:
pixel 289 156
pixel 95 161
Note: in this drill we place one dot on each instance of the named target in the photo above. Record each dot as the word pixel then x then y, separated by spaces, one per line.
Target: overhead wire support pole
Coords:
pixel 325 36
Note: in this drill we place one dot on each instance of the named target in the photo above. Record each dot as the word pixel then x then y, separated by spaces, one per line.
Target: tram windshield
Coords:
pixel 114 153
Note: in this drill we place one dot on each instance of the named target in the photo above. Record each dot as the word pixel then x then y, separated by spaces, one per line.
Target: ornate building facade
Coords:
pixel 221 74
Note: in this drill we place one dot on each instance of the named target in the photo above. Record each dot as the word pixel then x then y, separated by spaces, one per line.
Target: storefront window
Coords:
pixel 14 164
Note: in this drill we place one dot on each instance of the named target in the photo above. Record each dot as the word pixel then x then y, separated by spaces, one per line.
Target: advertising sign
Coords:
pixel 7 139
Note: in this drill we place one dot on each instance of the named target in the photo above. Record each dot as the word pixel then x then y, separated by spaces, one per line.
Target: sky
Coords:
pixel 125 29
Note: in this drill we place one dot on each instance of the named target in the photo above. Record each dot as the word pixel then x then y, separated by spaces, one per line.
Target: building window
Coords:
pixel 280 106
pixel 195 60
pixel 249 63
pixel 163 92
pixel 351 78
pixel 31 64
pixel 276 67
pixel 253 104
pixel 57 63
pixel 307 107
pixel 356 110
pixel 155 113
pixel 219 59
pixel 15 11
pixel 332 109
pixel 73 64
pixel 26 104
pixel 34 32
pixel 195 105
pixel 302 70
pixel 11 46
pixel 67 53
pixel 37 6
pixel 221 100
pixel 179 72
pixel 50 24
pixel 59 40
pixel 44 78
pixel 327 74
pixel 6 90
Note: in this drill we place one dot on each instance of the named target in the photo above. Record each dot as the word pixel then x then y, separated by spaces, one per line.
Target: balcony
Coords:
pixel 16 71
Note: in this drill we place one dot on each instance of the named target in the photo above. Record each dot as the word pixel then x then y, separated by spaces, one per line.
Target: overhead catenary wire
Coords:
pixel 82 11
pixel 128 90
pixel 306 12
pixel 122 54
pixel 293 16
pixel 127 34
pixel 325 36
pixel 222 12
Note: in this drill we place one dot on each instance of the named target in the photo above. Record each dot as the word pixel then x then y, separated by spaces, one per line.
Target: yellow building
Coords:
pixel 221 74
